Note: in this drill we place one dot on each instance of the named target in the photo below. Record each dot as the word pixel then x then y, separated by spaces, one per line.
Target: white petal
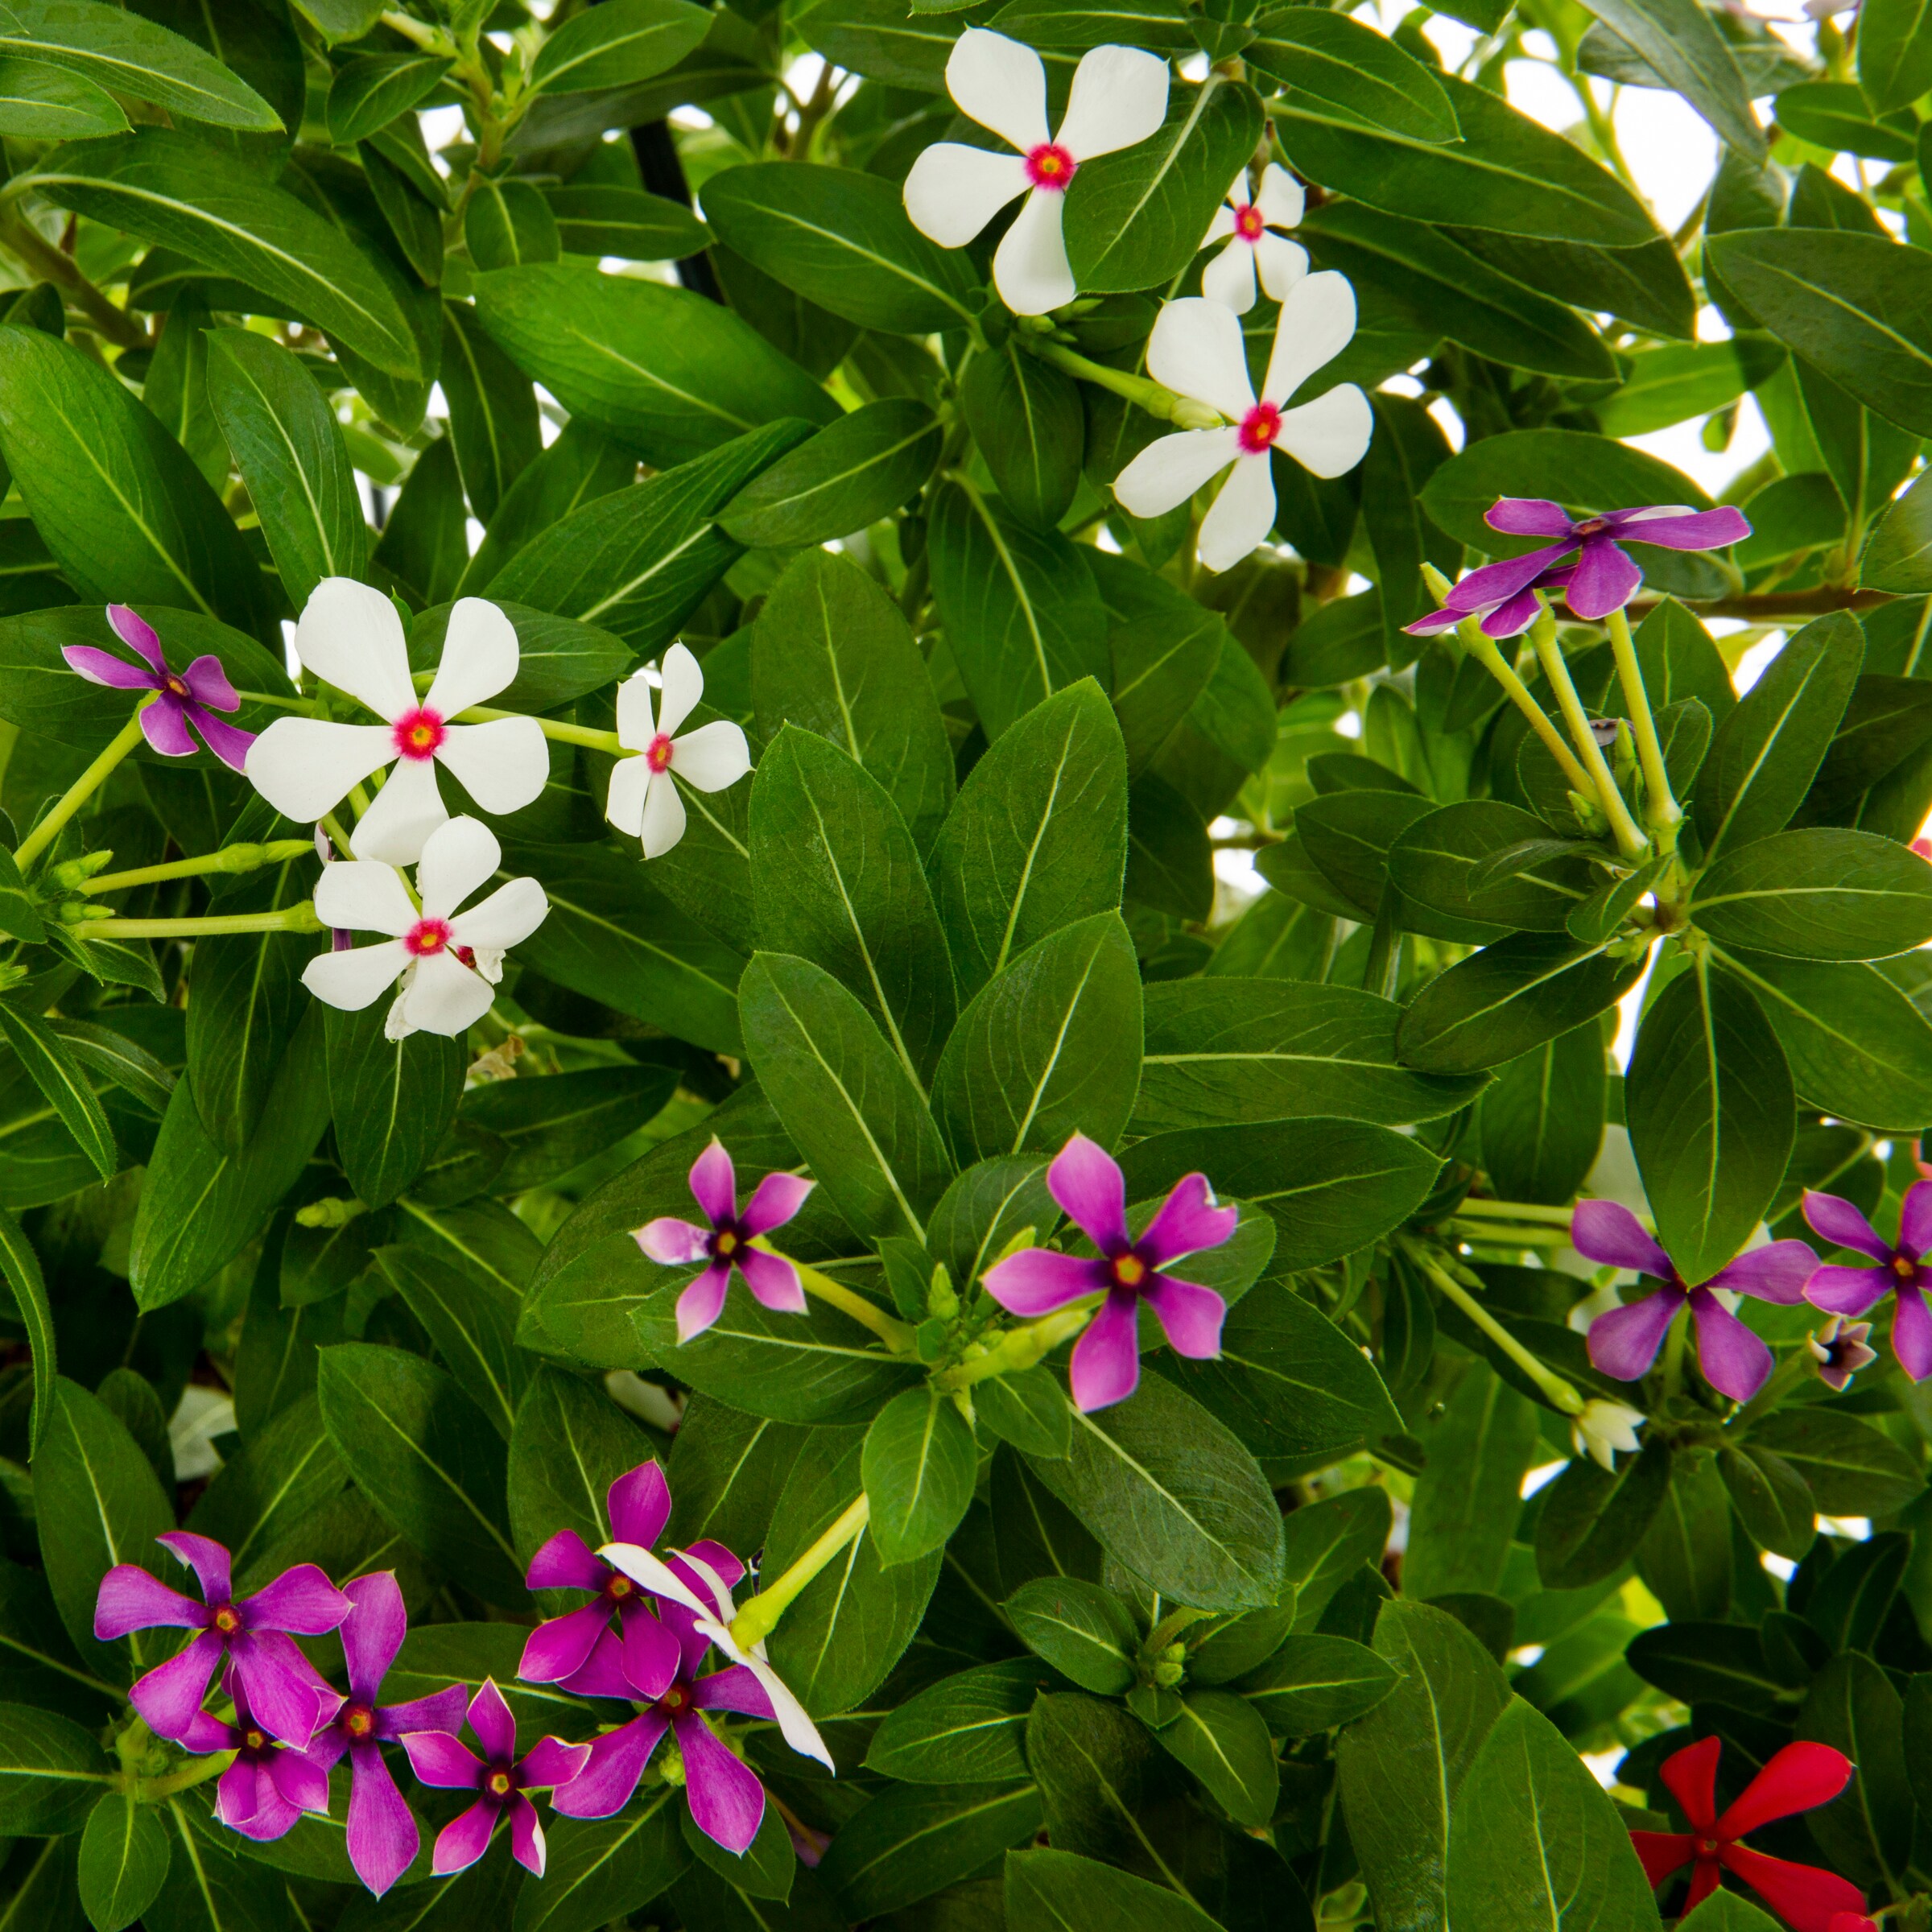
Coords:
pixel 304 767
pixel 357 978
pixel 1242 516
pixel 637 723
pixel 1171 470
pixel 507 918
pixel 641 1567
pixel 1229 277
pixel 479 658
pixel 349 636
pixel 1330 435
pixel 682 682
pixel 713 757
pixel 797 1729
pixel 1000 83
pixel 954 191
pixel 1317 319
pixel 396 1023
pixel 1196 350
pixel 1282 264
pixel 1030 266
pixel 1281 199
pixel 1221 227
pixel 630 780
pixel 445 996
pixel 1119 98
pixel 457 857
pixel 362 895
pixel 663 817
pixel 719 1589
pixel 502 764
pixel 404 813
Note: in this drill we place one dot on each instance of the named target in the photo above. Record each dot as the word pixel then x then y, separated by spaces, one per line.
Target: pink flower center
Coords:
pixel 1051 166
pixel 418 734
pixel 1129 1271
pixel 1248 223
pixel 428 936
pixel 676 1701
pixel 619 1587
pixel 227 1620
pixel 254 1740
pixel 1260 428
pixel 656 754
pixel 358 1720
pixel 500 1784
pixel 173 686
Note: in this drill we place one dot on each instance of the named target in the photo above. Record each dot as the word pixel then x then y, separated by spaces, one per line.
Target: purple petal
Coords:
pixel 282 1690
pixel 382 1835
pixel 240 1791
pixel 169 1697
pixel 1840 1290
pixel 1036 1280
pixel 439 1759
pixel 275 1817
pixel 489 1719
pixel 1839 1223
pixel 300 1779
pixel 773 1280
pixel 1603 1231
pixel 551 1762
pixel 714 1183
pixel 1605 578
pixel 440 1710
pixel 1624 1342
pixel 464 1841
pixel 1106 1365
pixel 692 1648
pixel 672 1243
pixel 373 1632
pixel 1915 1219
pixel 208 684
pixel 1912 1333
pixel 779 1196
pixel 302 1601
pixel 715 1556
pixel 603 1673
pixel 734 1688
pixel 1514 615
pixel 230 745
pixel 1090 1188
pixel 131 1600
pixel 652 1654
pixel 207 1734
pixel 1191 1317
pixel 567 1563
pixel 1432 623
pixel 166 729
pixel 1735 1362
pixel 1776 1272
pixel 639 1504
pixel 727 1801
pixel 137 633
pixel 1187 1222
pixel 207 1559
pixel 1529 517
pixel 1676 529
pixel 610 1774
pixel 527 1845
pixel 554 1650
pixel 703 1300
pixel 1494 584
pixel 101 666
pixel 329 1744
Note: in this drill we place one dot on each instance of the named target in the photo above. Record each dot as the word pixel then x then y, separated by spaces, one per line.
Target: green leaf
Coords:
pixel 568 1445
pixel 1822 893
pixel 124 1854
pixel 918 1468
pixel 1591 1521
pixel 493 410
pixel 1085 1631
pixel 1673 382
pixel 1349 836
pixel 861 468
pixel 1057 1892
pixel 1315 1683
pixel 1853 1468
pixel 423 1454
pixel 1026 419
pixel 1853 1706
pixel 1836 115
pixel 633 40
pixel 1217 1736
pixel 507 223
pixel 52 1771
pixel 1894 54
pixel 1165 649
pixel 1542 1121
pixel 57 1074
pixel 287 1468
pixel 1773 1502
pixel 602 1869
pixel 473 1328
pixel 42 102
pixel 1357 75
pixel 21 1268
pixel 1708 1101
pixel 370 90
pixel 1683 48
pixel 552 1124
pixel 1480 1448
pixel 912 1840
pixel 599 218
pixel 965 1729
pixel 392 1100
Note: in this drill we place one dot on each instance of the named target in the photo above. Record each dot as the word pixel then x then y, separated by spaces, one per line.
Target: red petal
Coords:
pixel 1662 1853
pixel 1704 1880
pixel 1798 1777
pixel 1691 1775
pixel 1806 1897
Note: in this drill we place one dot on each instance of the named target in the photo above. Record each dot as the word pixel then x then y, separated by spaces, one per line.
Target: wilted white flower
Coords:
pixel 1603 1428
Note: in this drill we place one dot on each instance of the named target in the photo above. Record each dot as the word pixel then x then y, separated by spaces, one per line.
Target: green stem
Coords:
pixel 1661 811
pixel 760 1617
pixel 198 1771
pixel 1021 1347
pixel 1182 411
pixel 1795 1367
pixel 230 858
pixel 1514 1210
pixel 1498 1234
pixel 1550 655
pixel 1169 1627
pixel 1559 1393
pixel 82 788
pixel 551 728
pixel 290 918
pixel 52 264
pixel 896 1335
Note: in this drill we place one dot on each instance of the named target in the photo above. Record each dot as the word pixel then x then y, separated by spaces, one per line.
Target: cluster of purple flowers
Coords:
pixel 646 1639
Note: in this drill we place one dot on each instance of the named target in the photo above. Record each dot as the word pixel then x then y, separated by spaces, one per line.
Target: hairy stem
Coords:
pixel 229 859
pixel 290 918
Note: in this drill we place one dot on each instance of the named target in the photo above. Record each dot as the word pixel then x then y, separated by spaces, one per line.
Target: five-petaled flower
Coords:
pixel 643 800
pixel 187 697
pixel 1841 1348
pixel 1196 350
pixel 1899 1270
pixel 1624 1342
pixel 381 1834
pixel 448 961
pixel 263 1793
pixel 1603 1429
pixel 287 1696
pixel 1603 577
pixel 1119 99
pixel 1090 1188
pixel 1797 1778
pixel 502 1780
pixel 349 636
pixel 1248 222
pixel 727 1243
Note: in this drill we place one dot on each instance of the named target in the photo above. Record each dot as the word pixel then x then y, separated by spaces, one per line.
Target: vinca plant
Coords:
pixel 921 1009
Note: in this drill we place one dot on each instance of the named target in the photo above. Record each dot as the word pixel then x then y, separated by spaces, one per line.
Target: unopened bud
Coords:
pixel 1167 1675
pixel 332 1211
pixel 671 1765
pixel 1174 1653
pixel 239 858
pixel 70 872
pixel 1185 413
pixel 942 1299
pixel 78 912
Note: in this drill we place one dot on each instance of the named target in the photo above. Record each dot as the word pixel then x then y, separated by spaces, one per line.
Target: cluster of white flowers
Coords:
pixel 1119 98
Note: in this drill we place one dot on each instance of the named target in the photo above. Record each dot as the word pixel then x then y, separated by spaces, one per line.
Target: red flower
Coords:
pixel 1798 1778
pixel 1853 1921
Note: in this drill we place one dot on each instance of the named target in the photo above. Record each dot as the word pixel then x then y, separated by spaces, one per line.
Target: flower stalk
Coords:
pixel 1560 1393
pixel 1661 811
pixel 1023 1346
pixel 289 919
pixel 82 788
pixel 229 859
pixel 1183 412
pixel 760 1617
pixel 1550 655
pixel 896 1335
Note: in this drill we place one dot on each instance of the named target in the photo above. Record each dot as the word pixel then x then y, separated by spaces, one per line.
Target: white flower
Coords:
pixel 349 636
pixel 643 799
pixel 1196 351
pixel 1119 98
pixel 1247 223
pixel 1602 1428
pixel 447 961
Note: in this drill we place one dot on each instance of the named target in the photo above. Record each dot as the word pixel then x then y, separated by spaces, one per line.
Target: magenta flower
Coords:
pixel 263 1793
pixel 184 699
pixel 1624 1342
pixel 286 1694
pixel 1603 577
pixel 1901 1270
pixel 382 1835
pixel 639 1504
pixel 1091 1189
pixel 726 1244
pixel 500 1780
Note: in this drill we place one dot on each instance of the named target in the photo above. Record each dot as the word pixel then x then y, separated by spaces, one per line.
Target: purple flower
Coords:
pixel 284 1690
pixel 382 1836
pixel 263 1793
pixel 500 1779
pixel 1840 1349
pixel 1603 577
pixel 1624 1342
pixel 726 1244
pixel 1902 1269
pixel 1090 1187
pixel 639 1504
pixel 184 699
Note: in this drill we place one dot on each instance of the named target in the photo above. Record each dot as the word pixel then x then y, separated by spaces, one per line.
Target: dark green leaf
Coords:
pixel 918 1468
pixel 1313 1683
pixel 124 1854
pixel 854 472
pixel 1821 894
pixel 965 1729
pixel 1356 74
